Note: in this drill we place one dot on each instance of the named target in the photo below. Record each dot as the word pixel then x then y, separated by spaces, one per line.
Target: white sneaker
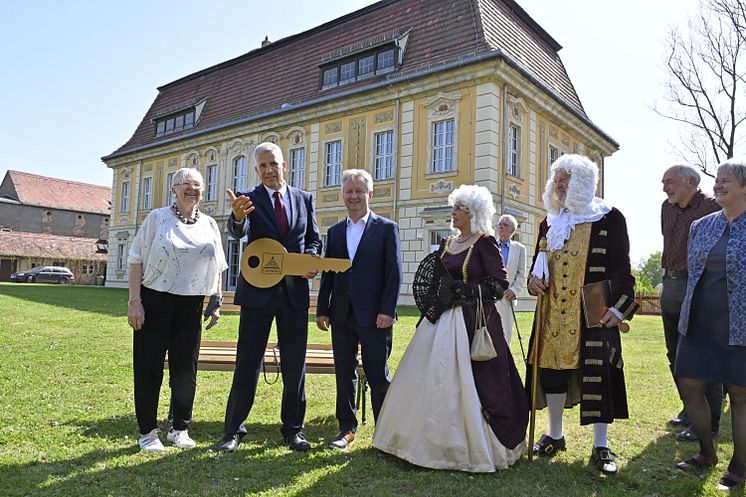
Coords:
pixel 151 442
pixel 180 438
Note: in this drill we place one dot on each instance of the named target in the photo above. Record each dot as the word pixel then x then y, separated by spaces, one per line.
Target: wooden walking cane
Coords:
pixel 538 318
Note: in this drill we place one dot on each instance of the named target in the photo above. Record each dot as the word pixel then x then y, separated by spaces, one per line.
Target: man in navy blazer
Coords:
pixel 278 211
pixel 360 304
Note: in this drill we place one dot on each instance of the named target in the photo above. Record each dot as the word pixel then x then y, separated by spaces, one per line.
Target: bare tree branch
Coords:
pixel 707 78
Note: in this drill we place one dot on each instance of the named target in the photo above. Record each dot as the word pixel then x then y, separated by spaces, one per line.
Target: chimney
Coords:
pixel 266 41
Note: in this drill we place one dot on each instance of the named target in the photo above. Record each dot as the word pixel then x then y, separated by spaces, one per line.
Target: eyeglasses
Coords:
pixel 459 207
pixel 187 184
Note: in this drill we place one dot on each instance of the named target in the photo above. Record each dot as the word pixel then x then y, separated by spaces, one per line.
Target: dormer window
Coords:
pixel 330 77
pixel 175 122
pixel 385 61
pixel 171 120
pixel 360 66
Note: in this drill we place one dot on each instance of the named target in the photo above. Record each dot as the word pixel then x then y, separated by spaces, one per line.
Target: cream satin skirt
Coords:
pixel 432 415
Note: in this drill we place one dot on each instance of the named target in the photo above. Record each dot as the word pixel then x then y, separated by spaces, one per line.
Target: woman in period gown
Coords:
pixel 443 410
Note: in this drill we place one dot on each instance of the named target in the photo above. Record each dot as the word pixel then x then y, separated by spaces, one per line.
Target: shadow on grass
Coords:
pixel 262 464
pixel 96 299
pixel 656 464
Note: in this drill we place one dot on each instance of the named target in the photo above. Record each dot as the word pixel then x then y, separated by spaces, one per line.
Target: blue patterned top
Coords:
pixel 703 235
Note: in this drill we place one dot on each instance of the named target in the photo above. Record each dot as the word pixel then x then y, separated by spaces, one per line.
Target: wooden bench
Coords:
pixel 229 306
pixel 220 355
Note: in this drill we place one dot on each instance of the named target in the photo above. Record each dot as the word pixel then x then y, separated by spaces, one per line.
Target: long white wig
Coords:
pixel 581 189
pixel 477 202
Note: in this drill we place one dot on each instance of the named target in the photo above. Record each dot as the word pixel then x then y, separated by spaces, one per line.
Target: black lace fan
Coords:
pixel 430 277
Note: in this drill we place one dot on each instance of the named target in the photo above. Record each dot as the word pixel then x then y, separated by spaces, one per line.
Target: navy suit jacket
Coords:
pixel 302 238
pixel 371 286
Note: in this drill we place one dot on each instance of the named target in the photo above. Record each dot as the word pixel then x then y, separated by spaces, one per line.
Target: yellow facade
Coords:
pixel 469 101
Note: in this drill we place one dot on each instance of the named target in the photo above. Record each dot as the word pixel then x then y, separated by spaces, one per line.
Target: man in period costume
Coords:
pixel 587 242
pixel 684 204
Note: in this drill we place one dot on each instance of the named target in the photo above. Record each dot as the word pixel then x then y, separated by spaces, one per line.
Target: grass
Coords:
pixel 67 425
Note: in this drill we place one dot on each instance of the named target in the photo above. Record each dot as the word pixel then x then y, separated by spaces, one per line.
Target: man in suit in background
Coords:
pixel 514 259
pixel 278 211
pixel 360 304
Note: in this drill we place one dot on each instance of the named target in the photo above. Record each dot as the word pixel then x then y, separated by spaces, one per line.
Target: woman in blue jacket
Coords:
pixel 713 321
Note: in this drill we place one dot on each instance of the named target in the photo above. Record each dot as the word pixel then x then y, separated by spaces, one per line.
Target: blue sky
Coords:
pixel 77 77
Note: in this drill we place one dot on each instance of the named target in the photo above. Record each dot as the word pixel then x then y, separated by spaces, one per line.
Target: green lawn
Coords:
pixel 67 424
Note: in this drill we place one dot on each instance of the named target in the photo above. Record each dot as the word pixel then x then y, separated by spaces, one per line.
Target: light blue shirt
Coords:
pixel 505 250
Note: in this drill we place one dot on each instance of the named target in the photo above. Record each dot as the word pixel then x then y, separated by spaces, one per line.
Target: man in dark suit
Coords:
pixel 283 213
pixel 360 304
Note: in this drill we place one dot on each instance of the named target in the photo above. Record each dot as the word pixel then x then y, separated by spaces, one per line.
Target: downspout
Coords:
pixel 395 152
pixel 503 172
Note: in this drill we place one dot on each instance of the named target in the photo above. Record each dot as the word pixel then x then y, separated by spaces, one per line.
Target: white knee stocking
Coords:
pixel 556 407
pixel 600 431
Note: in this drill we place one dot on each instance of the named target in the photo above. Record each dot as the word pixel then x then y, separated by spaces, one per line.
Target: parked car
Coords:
pixel 45 274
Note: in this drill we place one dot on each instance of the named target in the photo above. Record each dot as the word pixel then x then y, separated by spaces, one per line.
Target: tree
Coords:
pixel 648 274
pixel 651 267
pixel 705 90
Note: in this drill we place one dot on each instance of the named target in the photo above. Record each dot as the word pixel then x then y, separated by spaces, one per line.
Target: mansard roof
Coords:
pixel 43 191
pixel 285 75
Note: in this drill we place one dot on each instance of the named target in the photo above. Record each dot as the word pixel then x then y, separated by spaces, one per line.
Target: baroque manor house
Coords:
pixel 425 94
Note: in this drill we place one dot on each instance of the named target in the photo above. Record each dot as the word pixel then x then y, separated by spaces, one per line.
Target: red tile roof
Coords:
pixel 42 245
pixel 441 34
pixel 43 191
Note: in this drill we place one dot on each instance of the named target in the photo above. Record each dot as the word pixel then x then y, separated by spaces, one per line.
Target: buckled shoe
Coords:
pixel 548 446
pixel 604 460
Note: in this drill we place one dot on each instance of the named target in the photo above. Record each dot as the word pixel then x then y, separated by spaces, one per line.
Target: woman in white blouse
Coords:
pixel 176 258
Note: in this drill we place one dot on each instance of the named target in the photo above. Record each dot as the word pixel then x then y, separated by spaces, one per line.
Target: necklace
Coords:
pixel 464 240
pixel 181 216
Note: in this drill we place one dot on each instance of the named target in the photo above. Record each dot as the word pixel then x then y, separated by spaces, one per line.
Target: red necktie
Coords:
pixel 282 220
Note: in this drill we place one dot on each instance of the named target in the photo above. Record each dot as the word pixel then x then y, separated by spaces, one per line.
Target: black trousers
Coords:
pixel 253 334
pixel 375 344
pixel 172 323
pixel 672 297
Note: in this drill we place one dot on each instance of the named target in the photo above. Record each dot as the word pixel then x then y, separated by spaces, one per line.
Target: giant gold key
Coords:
pixel 265 262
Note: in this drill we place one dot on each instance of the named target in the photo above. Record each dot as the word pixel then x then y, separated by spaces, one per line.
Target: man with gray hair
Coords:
pixel 285 214
pixel 360 304
pixel 685 204
pixel 514 260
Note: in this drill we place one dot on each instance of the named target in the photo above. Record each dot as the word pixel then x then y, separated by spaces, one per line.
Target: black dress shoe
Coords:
pixel 229 442
pixel 548 446
pixel 680 420
pixel 343 440
pixel 298 442
pixel 604 460
pixel 689 435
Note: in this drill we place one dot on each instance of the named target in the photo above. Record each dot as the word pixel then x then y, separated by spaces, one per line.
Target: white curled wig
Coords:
pixel 478 203
pixel 582 187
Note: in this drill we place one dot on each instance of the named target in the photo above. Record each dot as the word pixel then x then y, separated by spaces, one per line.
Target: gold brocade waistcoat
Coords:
pixel 560 339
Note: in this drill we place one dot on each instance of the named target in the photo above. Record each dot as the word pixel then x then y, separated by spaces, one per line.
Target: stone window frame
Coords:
pixel 442 107
pixel 147 193
pixel 125 197
pixel 518 118
pixel 374 153
pixel 325 170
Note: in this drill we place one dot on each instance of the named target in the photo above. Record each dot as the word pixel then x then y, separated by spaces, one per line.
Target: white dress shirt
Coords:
pixel 355 233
